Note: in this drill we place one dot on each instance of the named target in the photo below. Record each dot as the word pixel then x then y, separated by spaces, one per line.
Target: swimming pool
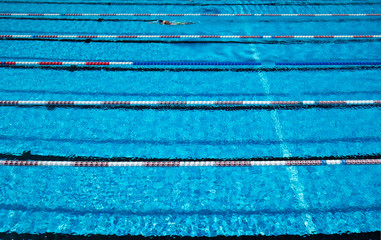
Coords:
pixel 211 122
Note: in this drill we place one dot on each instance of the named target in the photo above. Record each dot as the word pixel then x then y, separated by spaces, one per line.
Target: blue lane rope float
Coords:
pixel 326 63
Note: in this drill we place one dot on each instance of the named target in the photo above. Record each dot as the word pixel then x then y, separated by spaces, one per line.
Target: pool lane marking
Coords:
pixel 295 184
pixel 343 162
pixel 199 14
pixel 254 104
pixel 93 36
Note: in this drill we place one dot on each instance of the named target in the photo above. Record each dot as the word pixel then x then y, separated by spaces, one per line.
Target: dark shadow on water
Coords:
pixel 218 19
pixel 145 94
pixel 207 212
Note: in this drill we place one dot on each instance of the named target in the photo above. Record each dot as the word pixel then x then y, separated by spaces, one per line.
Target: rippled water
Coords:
pixel 198 201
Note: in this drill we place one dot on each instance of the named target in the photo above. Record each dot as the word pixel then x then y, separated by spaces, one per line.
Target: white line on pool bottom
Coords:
pixel 296 185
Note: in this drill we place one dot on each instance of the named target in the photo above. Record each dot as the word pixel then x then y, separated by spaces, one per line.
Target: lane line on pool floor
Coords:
pixel 199 14
pixel 296 185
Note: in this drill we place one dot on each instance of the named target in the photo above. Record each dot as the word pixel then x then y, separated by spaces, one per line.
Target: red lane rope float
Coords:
pixel 29 36
pixel 200 14
pixel 193 163
pixel 257 104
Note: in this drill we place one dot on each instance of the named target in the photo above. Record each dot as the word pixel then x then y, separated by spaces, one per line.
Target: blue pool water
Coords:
pixel 197 201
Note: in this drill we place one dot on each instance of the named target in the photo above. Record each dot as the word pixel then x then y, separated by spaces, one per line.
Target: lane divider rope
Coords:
pixel 28 156
pixel 191 103
pixel 183 63
pixel 29 36
pixel 193 163
pixel 200 14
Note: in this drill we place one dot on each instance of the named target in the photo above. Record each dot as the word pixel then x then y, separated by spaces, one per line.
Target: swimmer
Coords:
pixel 165 22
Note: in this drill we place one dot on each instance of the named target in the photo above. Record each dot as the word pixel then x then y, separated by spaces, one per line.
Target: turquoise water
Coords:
pixel 199 201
